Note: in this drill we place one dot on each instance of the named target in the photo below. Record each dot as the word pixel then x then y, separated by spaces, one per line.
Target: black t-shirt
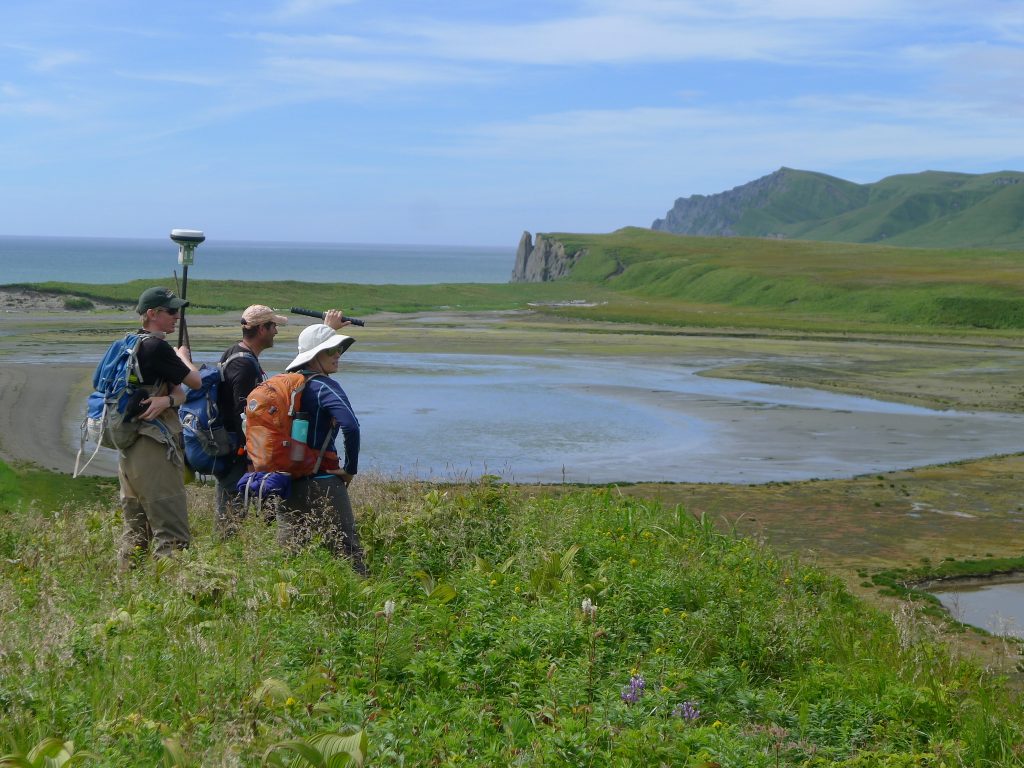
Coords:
pixel 241 376
pixel 158 362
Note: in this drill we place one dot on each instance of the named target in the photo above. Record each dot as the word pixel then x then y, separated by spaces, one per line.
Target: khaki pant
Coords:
pixel 152 499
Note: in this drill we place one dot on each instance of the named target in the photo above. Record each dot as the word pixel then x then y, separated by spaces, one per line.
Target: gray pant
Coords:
pixel 320 506
pixel 230 510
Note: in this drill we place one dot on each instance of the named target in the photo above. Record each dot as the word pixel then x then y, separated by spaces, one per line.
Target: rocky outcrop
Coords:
pixel 544 261
pixel 718 214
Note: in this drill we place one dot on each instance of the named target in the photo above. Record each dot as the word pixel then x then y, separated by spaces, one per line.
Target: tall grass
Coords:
pixel 499 627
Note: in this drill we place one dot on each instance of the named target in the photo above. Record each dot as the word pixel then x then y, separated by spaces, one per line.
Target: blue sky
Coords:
pixel 468 122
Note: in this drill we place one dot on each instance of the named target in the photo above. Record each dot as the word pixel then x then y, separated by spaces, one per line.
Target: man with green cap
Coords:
pixel 150 470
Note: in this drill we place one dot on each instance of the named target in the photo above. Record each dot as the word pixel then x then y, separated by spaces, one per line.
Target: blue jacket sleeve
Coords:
pixel 324 400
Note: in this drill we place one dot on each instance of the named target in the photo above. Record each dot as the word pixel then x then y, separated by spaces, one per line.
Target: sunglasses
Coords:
pixel 171 312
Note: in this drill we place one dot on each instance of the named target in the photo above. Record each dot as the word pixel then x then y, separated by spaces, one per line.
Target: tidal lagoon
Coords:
pixel 588 420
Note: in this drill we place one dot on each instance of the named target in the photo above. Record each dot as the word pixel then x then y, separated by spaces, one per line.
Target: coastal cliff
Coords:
pixel 546 260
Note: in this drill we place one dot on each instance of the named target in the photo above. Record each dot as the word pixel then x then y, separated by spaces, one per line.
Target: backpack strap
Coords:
pixel 223 365
pixel 323 448
pixel 83 429
pixel 136 366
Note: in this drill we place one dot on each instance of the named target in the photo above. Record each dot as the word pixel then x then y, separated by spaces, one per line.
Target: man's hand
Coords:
pixel 156 405
pixel 333 318
pixel 184 353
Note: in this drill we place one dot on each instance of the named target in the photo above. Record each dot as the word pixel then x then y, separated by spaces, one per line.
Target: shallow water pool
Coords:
pixel 593 420
pixel 995 607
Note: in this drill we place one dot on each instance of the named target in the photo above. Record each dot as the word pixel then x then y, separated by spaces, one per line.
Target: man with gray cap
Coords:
pixel 151 470
pixel 241 371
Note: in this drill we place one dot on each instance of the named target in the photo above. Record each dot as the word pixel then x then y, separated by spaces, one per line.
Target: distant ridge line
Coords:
pixel 934 209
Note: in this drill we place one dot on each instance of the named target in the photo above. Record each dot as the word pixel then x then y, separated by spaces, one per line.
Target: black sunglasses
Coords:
pixel 171 312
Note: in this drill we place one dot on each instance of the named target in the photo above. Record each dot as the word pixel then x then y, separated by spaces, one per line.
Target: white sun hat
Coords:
pixel 313 340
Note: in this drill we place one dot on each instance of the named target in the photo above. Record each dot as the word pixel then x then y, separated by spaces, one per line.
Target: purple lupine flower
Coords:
pixel 631 693
pixel 687 710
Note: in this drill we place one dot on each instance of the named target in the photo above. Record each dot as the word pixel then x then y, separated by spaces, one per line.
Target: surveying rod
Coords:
pixel 318 313
pixel 187 240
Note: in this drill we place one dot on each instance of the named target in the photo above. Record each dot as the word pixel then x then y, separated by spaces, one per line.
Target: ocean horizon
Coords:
pixel 35 259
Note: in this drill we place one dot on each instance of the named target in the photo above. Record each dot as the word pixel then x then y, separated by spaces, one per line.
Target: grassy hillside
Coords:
pixel 812 285
pixel 498 628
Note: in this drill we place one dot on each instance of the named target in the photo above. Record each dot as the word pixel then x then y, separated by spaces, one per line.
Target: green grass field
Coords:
pixel 473 643
pixel 641 276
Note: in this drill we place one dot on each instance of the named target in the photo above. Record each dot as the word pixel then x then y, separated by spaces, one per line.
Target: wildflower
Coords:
pixel 494 582
pixel 717 724
pixel 633 561
pixel 588 608
pixel 659 649
pixel 517 590
pixel 631 693
pixel 666 611
pixel 290 701
pixel 622 538
pixel 687 711
pixel 683 615
pixel 513 619
pixel 389 609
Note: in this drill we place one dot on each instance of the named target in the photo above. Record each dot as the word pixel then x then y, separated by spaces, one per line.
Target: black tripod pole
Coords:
pixel 182 325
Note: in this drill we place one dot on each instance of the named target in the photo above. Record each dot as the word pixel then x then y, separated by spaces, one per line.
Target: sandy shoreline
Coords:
pixel 34 407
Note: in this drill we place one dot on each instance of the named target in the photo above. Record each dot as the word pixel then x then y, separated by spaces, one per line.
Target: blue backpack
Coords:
pixel 209 447
pixel 110 409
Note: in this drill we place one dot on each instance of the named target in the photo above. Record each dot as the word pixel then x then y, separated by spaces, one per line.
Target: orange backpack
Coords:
pixel 269 412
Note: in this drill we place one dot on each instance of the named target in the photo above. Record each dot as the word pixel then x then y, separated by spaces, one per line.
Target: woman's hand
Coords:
pixel 346 478
pixel 333 319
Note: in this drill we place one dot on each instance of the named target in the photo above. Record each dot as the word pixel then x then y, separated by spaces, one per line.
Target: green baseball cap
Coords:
pixel 154 298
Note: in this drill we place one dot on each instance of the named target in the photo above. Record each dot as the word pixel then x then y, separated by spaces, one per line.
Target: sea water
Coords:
pixel 118 260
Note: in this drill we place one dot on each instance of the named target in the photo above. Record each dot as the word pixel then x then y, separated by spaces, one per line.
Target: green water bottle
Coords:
pixel 300 431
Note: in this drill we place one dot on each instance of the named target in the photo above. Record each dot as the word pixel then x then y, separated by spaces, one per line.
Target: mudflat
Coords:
pixel 964 509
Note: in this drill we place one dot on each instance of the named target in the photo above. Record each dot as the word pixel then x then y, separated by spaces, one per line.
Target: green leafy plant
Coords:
pixel 48 753
pixel 324 750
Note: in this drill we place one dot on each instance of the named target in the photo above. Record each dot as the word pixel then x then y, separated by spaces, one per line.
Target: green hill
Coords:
pixel 784 283
pixel 929 209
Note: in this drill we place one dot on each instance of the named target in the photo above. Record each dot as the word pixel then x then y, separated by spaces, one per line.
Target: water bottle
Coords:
pixel 300 431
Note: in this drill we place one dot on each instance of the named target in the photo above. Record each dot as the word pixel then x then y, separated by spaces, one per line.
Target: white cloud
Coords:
pixel 197 79
pixel 295 8
pixel 626 38
pixel 324 74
